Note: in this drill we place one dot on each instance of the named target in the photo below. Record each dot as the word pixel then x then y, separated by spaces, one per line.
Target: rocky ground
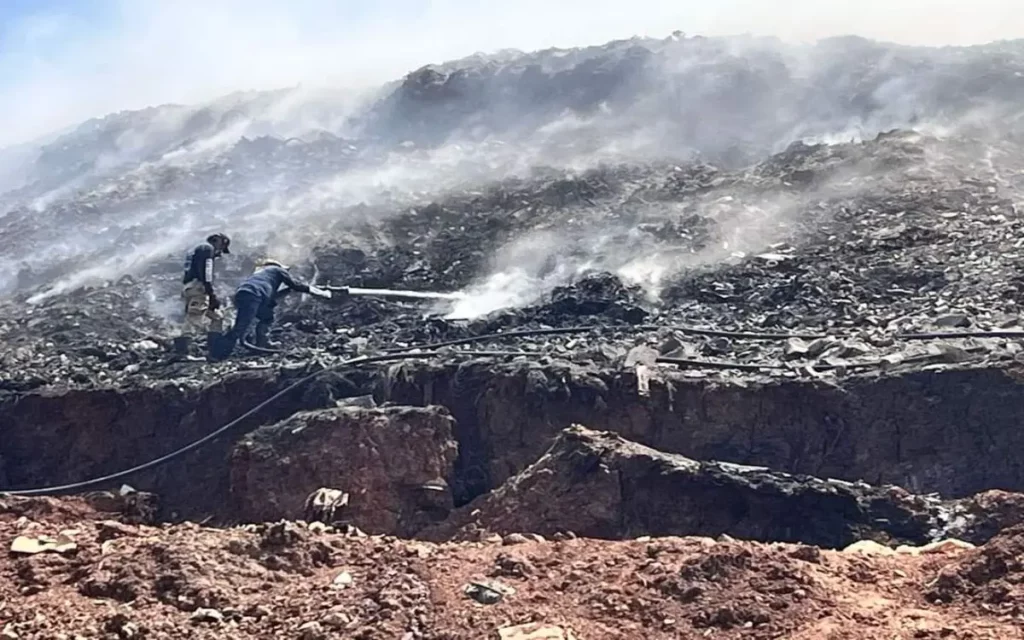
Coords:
pixel 793 314
pixel 678 399
pixel 293 580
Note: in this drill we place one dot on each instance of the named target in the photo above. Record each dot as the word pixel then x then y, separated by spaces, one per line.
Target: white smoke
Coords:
pixel 170 177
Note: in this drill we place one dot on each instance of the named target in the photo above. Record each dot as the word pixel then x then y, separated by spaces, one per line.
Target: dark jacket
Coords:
pixel 265 283
pixel 199 266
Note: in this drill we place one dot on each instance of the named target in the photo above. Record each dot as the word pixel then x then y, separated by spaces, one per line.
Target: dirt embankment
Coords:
pixel 952 432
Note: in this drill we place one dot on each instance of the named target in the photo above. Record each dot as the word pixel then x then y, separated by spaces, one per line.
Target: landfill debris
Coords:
pixel 869 548
pixel 488 592
pixel 670 494
pixel 343 580
pixel 208 616
pixel 31 545
pixel 324 504
pixel 553 232
pixel 534 631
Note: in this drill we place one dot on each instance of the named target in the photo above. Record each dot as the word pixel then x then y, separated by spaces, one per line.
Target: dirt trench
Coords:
pixel 948 432
pixel 951 432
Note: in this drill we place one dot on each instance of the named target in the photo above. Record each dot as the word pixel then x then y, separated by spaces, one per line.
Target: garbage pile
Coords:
pixel 904 234
pixel 598 244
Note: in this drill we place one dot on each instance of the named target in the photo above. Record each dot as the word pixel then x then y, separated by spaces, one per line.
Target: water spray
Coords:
pixel 395 294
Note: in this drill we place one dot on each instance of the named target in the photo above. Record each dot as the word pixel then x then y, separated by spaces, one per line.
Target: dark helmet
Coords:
pixel 223 239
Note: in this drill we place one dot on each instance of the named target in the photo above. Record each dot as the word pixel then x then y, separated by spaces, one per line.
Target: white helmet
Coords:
pixel 268 262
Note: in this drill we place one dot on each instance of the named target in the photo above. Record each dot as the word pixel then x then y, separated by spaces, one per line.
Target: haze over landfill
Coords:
pixel 731 344
pixel 653 99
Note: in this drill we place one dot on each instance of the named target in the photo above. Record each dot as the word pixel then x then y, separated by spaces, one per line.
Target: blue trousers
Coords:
pixel 249 308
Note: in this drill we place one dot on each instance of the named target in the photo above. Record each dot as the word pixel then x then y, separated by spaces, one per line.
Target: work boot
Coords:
pixel 218 346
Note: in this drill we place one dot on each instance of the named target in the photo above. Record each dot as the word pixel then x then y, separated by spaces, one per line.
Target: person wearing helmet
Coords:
pixel 202 308
pixel 255 299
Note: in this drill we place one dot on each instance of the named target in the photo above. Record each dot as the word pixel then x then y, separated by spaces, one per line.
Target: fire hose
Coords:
pixel 430 350
pixel 192 446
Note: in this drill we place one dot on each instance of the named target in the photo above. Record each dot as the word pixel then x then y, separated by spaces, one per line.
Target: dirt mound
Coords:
pixel 292 580
pixel 990 578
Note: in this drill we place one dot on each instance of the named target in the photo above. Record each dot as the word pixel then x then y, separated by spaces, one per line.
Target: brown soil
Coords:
pixel 282 580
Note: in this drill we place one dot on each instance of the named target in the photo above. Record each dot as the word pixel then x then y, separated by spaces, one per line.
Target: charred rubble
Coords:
pixel 763 337
pixel 816 349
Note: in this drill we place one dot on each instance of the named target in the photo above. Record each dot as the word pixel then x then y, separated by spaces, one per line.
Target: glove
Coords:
pixel 320 293
pixel 214 302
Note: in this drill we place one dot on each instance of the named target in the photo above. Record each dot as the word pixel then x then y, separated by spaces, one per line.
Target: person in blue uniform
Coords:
pixel 255 300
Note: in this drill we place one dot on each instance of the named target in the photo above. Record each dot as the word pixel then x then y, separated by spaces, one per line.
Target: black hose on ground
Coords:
pixel 152 464
pixel 739 335
pixel 429 350
pixel 260 350
pixel 527 333
pixel 938 335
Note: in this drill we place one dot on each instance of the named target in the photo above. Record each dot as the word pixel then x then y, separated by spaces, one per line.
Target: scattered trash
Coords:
pixel 209 616
pixel 343 580
pixel 535 631
pixel 488 592
pixel 28 545
pixel 869 548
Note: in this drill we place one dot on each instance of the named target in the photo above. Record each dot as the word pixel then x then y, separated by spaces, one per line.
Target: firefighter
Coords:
pixel 202 307
pixel 254 301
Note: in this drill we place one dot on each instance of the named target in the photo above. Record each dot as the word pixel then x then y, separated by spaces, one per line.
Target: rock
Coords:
pixel 512 566
pixel 600 485
pixel 335 620
pixel 514 538
pixel 869 548
pixel 8 633
pixel 818 347
pixel 807 554
pixel 534 631
pixel 110 529
pixel 136 507
pixel 853 349
pixel 982 516
pixel 207 616
pixel 945 352
pixel 122 626
pixel 312 631
pixel 953 320
pixel 343 580
pixel 671 344
pixel 796 348
pixel 378 455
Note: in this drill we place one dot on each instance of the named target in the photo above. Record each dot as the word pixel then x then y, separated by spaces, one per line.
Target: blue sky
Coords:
pixel 62 61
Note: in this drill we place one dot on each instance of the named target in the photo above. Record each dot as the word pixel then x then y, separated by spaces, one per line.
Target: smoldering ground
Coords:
pixel 283 180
